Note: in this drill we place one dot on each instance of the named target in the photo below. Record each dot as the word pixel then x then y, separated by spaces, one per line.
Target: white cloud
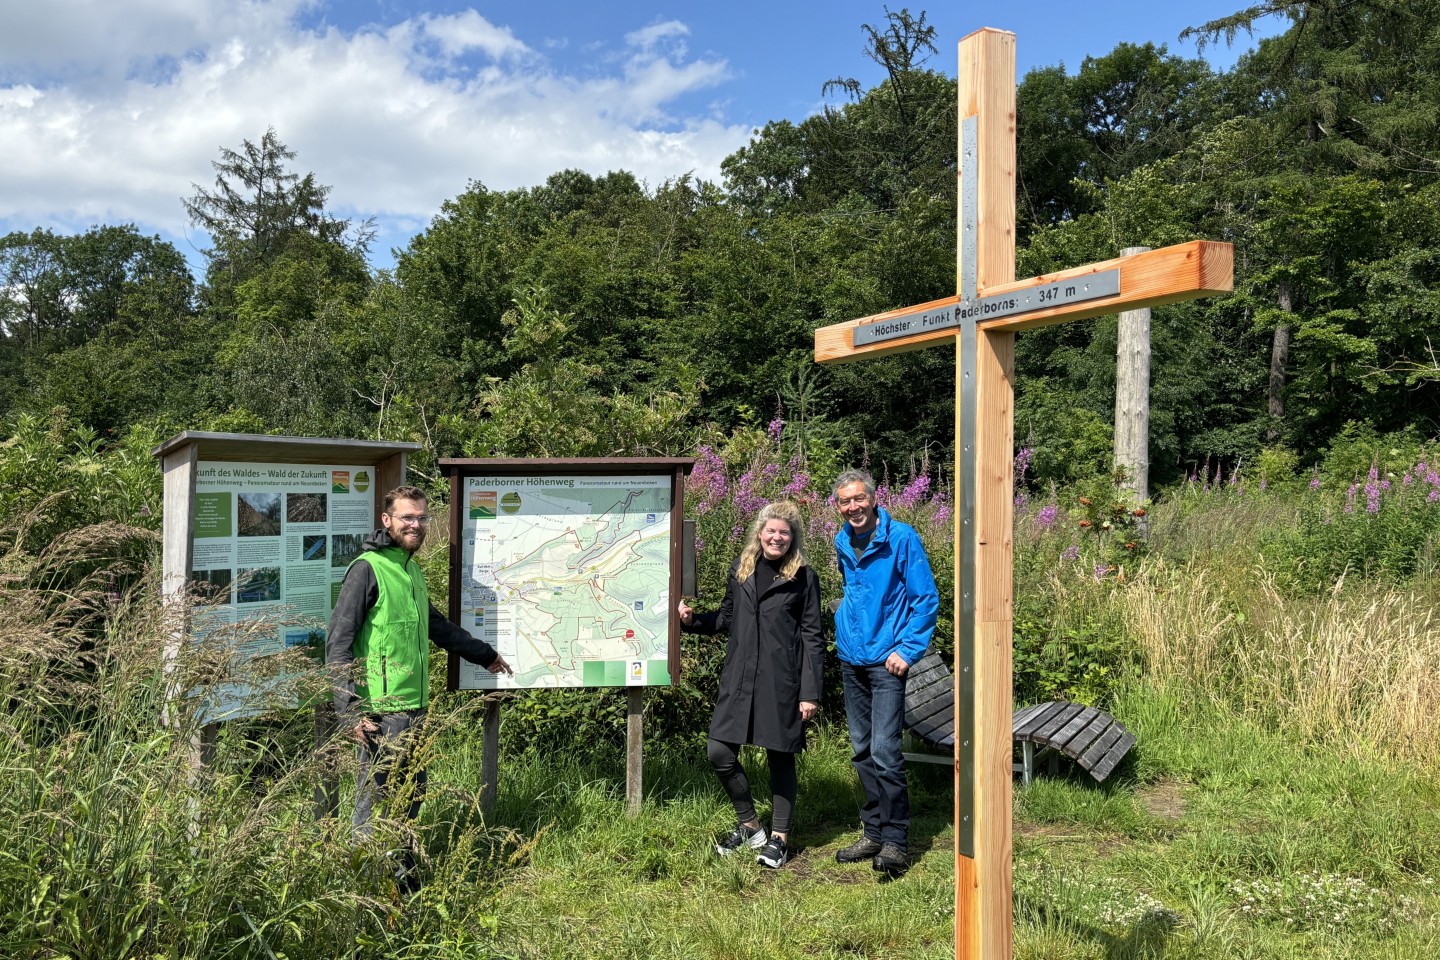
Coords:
pixel 396 118
pixel 462 32
pixel 649 37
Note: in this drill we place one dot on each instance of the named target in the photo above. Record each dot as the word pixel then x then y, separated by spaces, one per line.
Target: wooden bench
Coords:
pixel 1091 737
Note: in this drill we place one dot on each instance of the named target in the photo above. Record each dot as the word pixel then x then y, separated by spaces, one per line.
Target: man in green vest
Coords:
pixel 378 651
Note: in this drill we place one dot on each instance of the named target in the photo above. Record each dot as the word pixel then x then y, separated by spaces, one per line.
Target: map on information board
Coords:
pixel 568 577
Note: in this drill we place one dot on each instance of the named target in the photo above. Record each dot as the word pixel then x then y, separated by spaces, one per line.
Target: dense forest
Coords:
pixel 594 315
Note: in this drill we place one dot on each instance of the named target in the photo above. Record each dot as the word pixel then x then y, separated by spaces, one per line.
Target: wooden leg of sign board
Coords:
pixel 490 754
pixel 635 750
pixel 327 788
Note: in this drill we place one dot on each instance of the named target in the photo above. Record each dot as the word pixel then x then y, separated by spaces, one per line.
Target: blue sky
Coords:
pixel 110 111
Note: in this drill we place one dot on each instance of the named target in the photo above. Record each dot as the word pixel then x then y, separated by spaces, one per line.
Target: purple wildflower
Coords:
pixel 1315 479
pixel 1350 497
pixel 1047 516
pixel 777 426
pixel 746 499
pixel 797 487
pixel 1100 571
pixel 1385 485
pixel 914 492
pixel 1022 463
pixel 1372 498
pixel 1407 480
pixel 1071 553
pixel 1374 471
pixel 1434 495
pixel 699 546
pixel 737 531
pixel 942 516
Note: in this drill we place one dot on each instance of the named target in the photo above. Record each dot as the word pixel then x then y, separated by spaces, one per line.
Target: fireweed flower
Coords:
pixel 798 485
pixel 1047 516
pixel 914 492
pixel 1315 480
pixel 1022 463
pixel 777 427
pixel 1071 553
pixel 1350 497
pixel 943 514
pixel 1372 498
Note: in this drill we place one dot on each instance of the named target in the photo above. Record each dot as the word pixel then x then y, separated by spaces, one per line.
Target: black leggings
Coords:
pixel 725 758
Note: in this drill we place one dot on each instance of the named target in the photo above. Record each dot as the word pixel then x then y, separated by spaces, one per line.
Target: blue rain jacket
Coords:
pixel 890 599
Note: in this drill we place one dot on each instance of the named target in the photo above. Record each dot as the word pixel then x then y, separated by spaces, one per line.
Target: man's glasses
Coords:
pixel 412 520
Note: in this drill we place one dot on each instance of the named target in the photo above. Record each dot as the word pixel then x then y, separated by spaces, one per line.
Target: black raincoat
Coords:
pixel 775 659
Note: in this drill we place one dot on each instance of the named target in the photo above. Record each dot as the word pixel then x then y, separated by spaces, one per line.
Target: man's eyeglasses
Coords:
pixel 412 520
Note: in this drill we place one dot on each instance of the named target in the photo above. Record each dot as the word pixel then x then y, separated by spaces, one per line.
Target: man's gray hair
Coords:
pixel 854 476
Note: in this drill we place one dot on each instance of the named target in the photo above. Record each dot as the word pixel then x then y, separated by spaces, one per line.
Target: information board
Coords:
pixel 272 542
pixel 568 577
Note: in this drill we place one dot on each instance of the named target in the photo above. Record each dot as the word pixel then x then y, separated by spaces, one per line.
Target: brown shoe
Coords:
pixel 862 849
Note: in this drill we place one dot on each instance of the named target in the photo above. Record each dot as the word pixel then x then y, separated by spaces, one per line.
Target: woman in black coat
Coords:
pixel 770 684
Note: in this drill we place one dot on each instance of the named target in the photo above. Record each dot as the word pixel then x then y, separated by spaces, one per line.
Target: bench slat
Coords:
pixel 1056 721
pixel 935 727
pixel 1072 726
pixel 1100 747
pixel 914 715
pixel 1093 731
pixel 1113 756
pixel 932 687
pixel 1039 718
pixel 1019 718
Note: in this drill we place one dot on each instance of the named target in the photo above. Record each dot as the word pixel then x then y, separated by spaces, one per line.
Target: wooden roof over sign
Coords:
pixel 260 448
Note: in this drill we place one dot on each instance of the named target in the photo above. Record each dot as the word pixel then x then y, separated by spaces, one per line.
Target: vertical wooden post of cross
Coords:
pixel 984 372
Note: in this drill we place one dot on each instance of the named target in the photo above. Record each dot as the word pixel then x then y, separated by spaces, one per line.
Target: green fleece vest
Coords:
pixel 394 642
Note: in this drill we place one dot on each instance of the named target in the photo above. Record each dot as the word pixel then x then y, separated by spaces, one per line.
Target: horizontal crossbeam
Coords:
pixel 1185 271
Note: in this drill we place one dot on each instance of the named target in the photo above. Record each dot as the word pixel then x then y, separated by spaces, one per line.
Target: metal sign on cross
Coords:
pixel 982 320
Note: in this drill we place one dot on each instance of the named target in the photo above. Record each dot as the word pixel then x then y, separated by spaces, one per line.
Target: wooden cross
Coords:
pixel 990 307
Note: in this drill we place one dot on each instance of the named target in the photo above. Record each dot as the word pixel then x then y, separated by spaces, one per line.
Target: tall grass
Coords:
pixel 112 844
pixel 1358 669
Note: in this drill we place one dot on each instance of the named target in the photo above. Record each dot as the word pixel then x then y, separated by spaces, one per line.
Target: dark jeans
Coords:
pixel 875 709
pixel 386 759
pixel 784 785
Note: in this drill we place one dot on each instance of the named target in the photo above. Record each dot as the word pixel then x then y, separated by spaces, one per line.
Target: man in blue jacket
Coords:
pixel 883 625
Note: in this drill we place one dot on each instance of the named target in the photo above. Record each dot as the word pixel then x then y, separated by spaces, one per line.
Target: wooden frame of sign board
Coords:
pixel 676 468
pixel 180 458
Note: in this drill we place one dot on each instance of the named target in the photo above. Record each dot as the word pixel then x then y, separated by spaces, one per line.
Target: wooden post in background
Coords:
pixel 490 753
pixel 1132 398
pixel 634 750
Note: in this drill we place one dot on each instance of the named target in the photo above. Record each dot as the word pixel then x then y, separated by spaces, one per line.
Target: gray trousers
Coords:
pixel 386 759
